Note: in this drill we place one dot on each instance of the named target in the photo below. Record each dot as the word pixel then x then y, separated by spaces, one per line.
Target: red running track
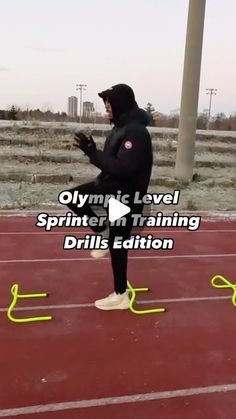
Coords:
pixel 87 363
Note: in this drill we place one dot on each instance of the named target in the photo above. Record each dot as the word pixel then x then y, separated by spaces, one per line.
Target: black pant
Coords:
pixel 119 257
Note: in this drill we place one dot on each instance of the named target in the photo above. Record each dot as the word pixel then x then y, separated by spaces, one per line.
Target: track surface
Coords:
pixel 87 363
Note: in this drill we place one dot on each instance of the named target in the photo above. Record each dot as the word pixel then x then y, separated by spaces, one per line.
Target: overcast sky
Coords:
pixel 49 46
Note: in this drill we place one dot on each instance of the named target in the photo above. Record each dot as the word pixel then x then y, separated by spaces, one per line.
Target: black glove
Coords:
pixel 87 145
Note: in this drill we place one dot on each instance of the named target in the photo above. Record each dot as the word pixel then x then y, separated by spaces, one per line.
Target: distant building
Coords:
pixel 72 106
pixel 88 109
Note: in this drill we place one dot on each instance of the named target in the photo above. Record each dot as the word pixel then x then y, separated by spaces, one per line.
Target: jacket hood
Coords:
pixel 124 106
pixel 136 114
pixel 121 98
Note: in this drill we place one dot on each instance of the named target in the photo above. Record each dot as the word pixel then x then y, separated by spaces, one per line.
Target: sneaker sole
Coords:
pixel 118 307
pixel 99 256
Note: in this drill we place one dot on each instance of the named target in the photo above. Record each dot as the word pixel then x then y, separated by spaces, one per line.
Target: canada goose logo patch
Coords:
pixel 128 145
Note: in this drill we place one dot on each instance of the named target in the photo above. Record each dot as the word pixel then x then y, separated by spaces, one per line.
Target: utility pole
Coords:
pixel 210 92
pixel 190 91
pixel 80 87
pixel 95 114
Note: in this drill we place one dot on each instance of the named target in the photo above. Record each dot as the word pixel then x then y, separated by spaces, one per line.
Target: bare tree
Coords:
pixel 150 111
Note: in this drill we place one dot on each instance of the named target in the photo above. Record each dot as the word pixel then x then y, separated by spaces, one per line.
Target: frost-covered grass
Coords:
pixel 38 160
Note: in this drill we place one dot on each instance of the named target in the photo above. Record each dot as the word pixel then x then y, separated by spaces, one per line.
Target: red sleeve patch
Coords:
pixel 128 144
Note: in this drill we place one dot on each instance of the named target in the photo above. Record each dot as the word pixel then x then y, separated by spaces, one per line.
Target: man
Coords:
pixel 125 164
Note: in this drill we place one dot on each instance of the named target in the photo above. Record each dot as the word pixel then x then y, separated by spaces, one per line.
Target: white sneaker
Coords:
pixel 114 302
pixel 99 253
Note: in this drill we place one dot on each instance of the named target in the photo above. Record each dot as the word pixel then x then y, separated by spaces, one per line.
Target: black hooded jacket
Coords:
pixel 127 158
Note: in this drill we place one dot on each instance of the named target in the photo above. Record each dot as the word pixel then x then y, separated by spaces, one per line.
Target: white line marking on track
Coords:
pixel 108 401
pixel 211 216
pixel 19 233
pixel 89 305
pixel 102 259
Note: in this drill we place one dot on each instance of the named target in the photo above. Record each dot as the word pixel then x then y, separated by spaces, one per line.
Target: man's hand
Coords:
pixel 87 145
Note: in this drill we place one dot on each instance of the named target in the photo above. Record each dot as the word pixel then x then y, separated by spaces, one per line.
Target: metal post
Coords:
pixel 95 115
pixel 190 91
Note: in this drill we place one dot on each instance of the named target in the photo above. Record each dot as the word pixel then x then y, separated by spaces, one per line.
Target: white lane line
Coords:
pixel 103 259
pixel 19 233
pixel 108 401
pixel 211 216
pixel 89 305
